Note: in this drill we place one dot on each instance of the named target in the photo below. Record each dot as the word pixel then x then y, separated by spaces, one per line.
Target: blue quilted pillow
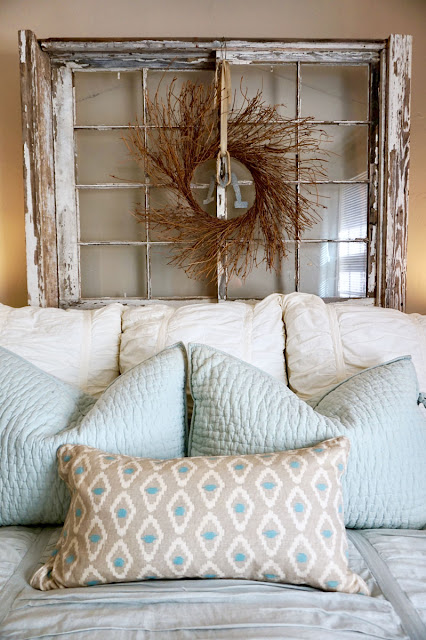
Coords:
pixel 142 413
pixel 238 409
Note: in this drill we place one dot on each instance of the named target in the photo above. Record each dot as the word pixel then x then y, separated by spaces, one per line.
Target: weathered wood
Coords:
pixel 40 225
pixel 126 62
pixel 388 154
pixel 300 55
pixel 380 260
pixel 136 185
pixel 122 55
pixel 147 185
pixel 130 62
pixel 222 214
pixel 162 45
pixel 113 185
pixel 118 243
pixel 66 209
pixel 374 178
pixel 93 303
pixel 397 160
pixel 161 242
pixel 147 193
pixel 221 210
pixel 125 127
pixel 297 191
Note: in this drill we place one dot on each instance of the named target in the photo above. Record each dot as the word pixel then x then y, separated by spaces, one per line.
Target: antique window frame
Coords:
pixel 47 116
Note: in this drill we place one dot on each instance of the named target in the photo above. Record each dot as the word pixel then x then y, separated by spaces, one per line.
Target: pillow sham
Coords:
pixel 142 413
pixel 273 517
pixel 252 332
pixel 327 343
pixel 79 346
pixel 240 410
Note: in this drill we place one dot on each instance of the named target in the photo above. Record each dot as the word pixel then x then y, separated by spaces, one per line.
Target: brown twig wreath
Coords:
pixel 182 134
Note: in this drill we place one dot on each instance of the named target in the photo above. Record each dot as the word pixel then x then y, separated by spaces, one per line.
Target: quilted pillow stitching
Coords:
pixel 142 413
pixel 239 409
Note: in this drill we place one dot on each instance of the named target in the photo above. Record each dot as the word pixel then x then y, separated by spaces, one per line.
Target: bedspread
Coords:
pixel 393 563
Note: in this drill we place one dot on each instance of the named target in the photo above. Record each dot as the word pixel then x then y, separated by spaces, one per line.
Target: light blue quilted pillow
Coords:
pixel 142 413
pixel 239 409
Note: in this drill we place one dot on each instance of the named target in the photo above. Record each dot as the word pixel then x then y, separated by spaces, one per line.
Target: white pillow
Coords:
pixel 251 332
pixel 327 343
pixel 78 346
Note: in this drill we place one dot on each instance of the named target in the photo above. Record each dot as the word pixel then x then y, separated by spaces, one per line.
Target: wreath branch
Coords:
pixel 182 133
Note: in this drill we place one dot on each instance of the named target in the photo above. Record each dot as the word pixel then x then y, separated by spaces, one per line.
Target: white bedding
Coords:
pixel 77 346
pixel 252 332
pixel 327 343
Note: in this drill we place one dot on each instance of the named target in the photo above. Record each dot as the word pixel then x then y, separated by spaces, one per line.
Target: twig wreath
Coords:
pixel 183 133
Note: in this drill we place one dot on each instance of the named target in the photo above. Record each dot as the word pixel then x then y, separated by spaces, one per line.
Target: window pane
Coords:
pixel 261 282
pixel 333 270
pixel 276 82
pixel 344 150
pixel 334 92
pixel 206 199
pixel 158 82
pixel 108 98
pixel 102 156
pixel 107 214
pixel 160 198
pixel 170 281
pixel 345 214
pixel 113 272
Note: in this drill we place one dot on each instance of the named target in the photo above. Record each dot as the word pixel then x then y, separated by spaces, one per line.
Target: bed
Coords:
pixel 392 562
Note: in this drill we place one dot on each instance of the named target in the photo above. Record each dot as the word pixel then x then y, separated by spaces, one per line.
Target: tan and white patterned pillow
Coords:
pixel 272 516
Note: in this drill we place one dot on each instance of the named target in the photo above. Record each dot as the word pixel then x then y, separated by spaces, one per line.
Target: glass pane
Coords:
pixel 160 198
pixel 108 98
pixel 261 282
pixel 113 272
pixel 102 156
pixel 344 150
pixel 158 82
pixel 170 281
pixel 345 214
pixel 334 270
pixel 334 93
pixel 276 82
pixel 107 214
pixel 206 198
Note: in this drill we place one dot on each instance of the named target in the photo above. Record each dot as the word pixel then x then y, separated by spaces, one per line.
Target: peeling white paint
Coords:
pixel 397 161
pixel 30 237
pixel 23 47
pixel 66 212
pixel 372 275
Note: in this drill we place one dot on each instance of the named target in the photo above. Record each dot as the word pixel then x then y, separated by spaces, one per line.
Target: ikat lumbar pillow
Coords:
pixel 239 409
pixel 143 412
pixel 273 517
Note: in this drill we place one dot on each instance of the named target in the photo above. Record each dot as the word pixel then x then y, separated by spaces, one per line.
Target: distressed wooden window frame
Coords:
pixel 51 212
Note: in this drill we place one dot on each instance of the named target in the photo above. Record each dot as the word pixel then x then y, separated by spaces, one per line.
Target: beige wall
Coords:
pixel 209 18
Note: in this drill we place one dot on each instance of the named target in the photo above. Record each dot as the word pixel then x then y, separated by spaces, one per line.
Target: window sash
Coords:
pixel 390 71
